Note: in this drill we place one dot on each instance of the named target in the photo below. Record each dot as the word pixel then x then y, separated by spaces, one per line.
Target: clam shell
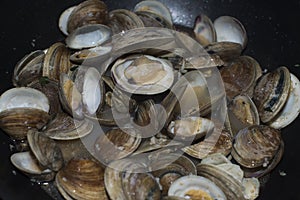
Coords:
pixel 190 128
pixel 154 85
pixel 204 30
pixel 27 164
pixel 64 18
pixel 81 179
pixel 271 93
pixel 291 109
pixel 121 20
pixel 116 144
pixel 256 146
pixel 240 76
pixel 88 36
pixel 29 68
pixel 170 168
pixel 45 150
pixel 64 127
pixel 230 29
pixel 155 7
pixel 56 61
pixel 196 187
pixel 87 12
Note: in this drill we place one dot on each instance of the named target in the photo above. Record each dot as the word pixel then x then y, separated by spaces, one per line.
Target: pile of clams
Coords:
pixel 132 106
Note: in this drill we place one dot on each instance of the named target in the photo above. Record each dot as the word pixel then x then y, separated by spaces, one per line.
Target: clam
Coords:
pixel 56 61
pixel 242 113
pixel 22 109
pixel 81 179
pixel 87 12
pixel 196 187
pixel 88 36
pixel 155 7
pixel 230 29
pixel 29 68
pixel 50 89
pixel 64 18
pixel 121 20
pixel 271 93
pixel 204 30
pixel 227 51
pixel 228 177
pixel 64 127
pixel 45 150
pixel 190 128
pixel 169 167
pixel 219 141
pixel 29 165
pixel 291 109
pixel 240 76
pixel 116 144
pixel 256 146
pixel 82 92
pixel 143 74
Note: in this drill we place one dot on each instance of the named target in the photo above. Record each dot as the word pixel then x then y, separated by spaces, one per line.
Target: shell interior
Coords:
pixel 24 98
pixel 63 20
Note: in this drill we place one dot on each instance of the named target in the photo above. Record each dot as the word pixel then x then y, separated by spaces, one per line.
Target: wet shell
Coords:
pixel 64 18
pixel 116 144
pixel 256 146
pixel 121 20
pixel 271 93
pixel 138 75
pixel 81 179
pixel 87 12
pixel 29 68
pixel 204 30
pixel 27 164
pixel 45 150
pixel 22 109
pixel 230 29
pixel 240 76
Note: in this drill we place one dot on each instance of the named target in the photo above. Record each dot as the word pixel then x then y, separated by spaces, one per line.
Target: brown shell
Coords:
pixel 82 179
pixel 271 93
pixel 17 121
pixel 116 144
pixel 256 146
pixel 240 76
pixel 87 12
pixel 45 150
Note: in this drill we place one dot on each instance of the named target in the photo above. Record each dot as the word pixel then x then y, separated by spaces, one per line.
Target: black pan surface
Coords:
pixel 274 40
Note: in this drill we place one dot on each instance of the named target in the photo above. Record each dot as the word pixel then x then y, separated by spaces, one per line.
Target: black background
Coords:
pixel 274 40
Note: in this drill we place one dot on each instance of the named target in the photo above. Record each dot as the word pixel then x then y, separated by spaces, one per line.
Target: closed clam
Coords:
pixel 81 179
pixel 256 146
pixel 29 68
pixel 22 109
pixel 271 93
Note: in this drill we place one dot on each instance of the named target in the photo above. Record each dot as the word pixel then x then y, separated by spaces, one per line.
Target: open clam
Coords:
pixel 230 29
pixel 22 109
pixel 87 12
pixel 143 74
pixel 204 30
pixel 196 187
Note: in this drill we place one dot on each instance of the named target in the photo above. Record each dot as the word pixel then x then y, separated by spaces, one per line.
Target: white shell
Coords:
pixel 88 36
pixel 251 188
pixel 24 97
pixel 154 7
pixel 183 185
pixel 291 109
pixel 204 30
pixel 118 72
pixel 230 29
pixel 63 20
pixel 27 163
